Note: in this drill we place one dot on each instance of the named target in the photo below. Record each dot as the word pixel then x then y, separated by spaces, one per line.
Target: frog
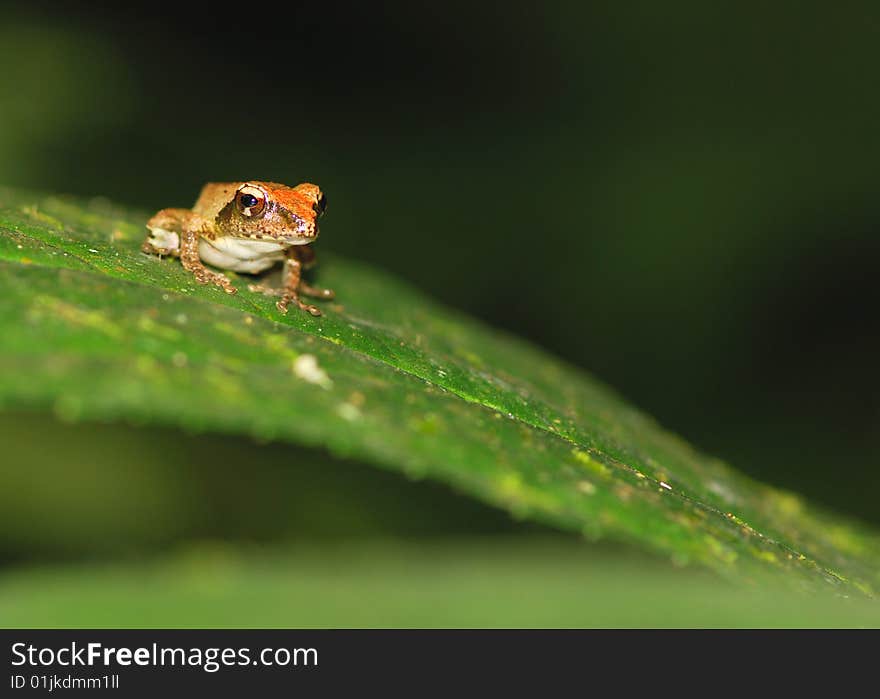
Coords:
pixel 246 227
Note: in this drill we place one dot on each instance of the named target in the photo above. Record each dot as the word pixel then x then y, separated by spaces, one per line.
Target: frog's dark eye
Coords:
pixel 251 201
pixel 321 205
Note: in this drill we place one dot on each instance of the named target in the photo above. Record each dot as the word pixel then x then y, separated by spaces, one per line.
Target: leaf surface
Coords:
pixel 94 329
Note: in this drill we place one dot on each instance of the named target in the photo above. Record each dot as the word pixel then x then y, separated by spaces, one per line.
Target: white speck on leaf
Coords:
pixel 349 412
pixel 586 487
pixel 305 366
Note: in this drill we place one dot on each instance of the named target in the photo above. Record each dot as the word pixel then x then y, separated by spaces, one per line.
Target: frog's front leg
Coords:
pixel 292 283
pixel 194 226
pixel 176 232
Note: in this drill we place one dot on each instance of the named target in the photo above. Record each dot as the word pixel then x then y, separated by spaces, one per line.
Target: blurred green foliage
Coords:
pixel 88 491
pixel 471 582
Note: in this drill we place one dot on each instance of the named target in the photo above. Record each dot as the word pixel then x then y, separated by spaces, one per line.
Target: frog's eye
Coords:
pixel 251 201
pixel 321 205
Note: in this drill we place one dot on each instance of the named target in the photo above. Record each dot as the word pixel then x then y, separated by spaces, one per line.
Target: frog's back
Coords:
pixel 213 197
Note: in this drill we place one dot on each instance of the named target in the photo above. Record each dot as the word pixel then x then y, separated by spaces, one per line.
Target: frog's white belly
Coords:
pixel 241 255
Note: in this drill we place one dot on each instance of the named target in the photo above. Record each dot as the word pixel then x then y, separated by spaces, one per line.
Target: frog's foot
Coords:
pixel 287 297
pixel 316 292
pixel 206 276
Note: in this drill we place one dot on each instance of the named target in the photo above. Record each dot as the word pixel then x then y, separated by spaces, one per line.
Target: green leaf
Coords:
pixel 94 329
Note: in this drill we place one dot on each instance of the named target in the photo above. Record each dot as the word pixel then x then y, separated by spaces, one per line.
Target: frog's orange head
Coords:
pixel 272 211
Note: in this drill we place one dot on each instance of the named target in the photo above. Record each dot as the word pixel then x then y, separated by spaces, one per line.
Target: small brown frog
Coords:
pixel 246 227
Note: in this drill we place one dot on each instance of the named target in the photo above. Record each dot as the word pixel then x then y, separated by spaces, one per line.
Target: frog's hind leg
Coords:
pixel 306 255
pixel 303 288
pixel 316 292
pixel 164 233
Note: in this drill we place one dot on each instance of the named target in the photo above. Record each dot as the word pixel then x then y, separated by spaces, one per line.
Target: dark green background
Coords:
pixel 680 198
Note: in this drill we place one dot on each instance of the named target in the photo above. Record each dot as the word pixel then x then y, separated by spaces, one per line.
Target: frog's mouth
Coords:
pixel 304 237
pixel 300 240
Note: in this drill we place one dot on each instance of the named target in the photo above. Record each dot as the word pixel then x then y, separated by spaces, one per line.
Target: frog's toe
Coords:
pixel 284 303
pixel 316 292
pixel 265 290
pixel 223 282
